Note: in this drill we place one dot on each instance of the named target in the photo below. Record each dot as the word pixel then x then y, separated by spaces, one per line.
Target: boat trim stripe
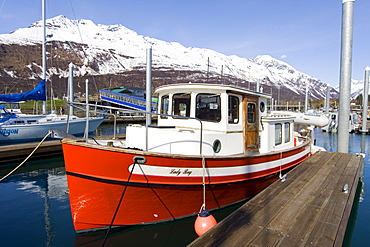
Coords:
pixel 117 182
pixel 152 170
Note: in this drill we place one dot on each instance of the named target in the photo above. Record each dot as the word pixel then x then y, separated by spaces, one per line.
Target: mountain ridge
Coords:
pixel 114 51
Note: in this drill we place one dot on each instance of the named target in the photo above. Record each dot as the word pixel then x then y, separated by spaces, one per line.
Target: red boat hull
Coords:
pixel 104 186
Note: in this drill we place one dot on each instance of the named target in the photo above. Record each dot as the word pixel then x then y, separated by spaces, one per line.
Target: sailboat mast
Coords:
pixel 44 50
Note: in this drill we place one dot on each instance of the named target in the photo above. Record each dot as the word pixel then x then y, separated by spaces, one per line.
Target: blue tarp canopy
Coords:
pixel 39 93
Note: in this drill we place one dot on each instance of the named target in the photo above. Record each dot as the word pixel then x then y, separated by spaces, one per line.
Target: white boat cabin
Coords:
pixel 233 120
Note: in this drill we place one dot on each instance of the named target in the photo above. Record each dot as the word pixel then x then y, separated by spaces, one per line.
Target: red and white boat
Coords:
pixel 213 145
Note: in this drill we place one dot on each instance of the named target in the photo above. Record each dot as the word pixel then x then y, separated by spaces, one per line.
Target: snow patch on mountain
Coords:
pixel 115 49
pixel 357 88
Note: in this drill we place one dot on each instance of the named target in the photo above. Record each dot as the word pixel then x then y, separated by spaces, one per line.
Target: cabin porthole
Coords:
pixel 216 146
pixel 262 106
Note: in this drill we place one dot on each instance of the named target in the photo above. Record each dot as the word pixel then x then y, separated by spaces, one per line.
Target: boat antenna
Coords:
pixel 44 51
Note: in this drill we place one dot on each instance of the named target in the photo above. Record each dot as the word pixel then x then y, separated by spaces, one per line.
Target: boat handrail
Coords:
pixel 73 104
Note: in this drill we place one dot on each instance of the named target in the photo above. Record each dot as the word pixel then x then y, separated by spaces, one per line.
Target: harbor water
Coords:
pixel 35 207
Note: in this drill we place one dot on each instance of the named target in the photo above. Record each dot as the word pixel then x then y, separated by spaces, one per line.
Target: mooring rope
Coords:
pixel 282 177
pixel 204 183
pixel 118 206
pixel 24 161
pixel 281 162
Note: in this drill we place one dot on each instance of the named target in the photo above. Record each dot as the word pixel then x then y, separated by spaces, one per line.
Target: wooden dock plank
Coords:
pixel 302 206
pixel 308 209
pixel 333 213
pixel 265 215
pixel 290 191
pixel 309 213
pixel 18 152
pixel 352 192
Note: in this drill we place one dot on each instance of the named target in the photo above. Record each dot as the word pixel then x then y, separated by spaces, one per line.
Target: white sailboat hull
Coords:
pixel 36 131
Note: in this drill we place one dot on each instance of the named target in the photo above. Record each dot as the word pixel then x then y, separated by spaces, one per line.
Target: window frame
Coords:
pixel 278 134
pixel 287 135
pixel 233 112
pixel 163 111
pixel 179 100
pixel 208 110
pixel 251 112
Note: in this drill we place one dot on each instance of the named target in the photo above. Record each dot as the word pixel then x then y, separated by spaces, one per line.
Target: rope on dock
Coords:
pixel 24 161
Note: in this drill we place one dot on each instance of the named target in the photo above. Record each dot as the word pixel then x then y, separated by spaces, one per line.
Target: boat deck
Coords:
pixel 309 209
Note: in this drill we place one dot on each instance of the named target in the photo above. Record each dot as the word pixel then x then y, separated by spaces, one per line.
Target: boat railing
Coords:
pixel 130 101
pixel 147 114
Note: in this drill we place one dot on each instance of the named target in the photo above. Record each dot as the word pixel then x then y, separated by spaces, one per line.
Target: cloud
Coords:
pixel 284 56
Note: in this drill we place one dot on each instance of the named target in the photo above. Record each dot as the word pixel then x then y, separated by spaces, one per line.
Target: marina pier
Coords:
pixel 18 152
pixel 311 208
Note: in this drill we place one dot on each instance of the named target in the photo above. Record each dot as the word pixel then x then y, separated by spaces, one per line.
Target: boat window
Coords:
pixel 164 105
pixel 233 109
pixel 181 104
pixel 287 132
pixel 208 107
pixel 278 136
pixel 251 113
pixel 262 106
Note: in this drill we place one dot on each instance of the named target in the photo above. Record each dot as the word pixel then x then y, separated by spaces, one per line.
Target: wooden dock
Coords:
pixel 18 152
pixel 309 209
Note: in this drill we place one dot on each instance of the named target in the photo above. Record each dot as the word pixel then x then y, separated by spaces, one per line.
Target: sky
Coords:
pixel 304 34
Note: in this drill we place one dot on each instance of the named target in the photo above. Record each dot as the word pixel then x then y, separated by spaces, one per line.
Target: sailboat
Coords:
pixel 18 127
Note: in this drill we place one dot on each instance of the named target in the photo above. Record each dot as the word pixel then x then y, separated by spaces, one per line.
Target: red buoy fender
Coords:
pixel 204 222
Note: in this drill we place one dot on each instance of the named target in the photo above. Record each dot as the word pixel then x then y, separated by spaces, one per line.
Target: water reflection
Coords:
pixel 176 233
pixel 33 200
pixel 35 204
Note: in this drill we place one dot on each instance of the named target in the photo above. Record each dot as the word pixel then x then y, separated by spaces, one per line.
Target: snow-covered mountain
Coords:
pixel 357 88
pixel 99 50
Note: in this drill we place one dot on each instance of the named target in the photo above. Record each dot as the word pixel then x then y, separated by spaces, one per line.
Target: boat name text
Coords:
pixel 181 171
pixel 7 132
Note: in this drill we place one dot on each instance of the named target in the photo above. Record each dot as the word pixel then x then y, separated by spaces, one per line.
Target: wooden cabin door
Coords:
pixel 250 112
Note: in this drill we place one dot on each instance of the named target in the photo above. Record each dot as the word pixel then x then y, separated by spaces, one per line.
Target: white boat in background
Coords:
pixel 25 128
pixel 18 127
pixel 306 119
pixel 354 124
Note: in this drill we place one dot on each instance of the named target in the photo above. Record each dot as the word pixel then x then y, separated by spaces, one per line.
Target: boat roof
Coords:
pixel 207 87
